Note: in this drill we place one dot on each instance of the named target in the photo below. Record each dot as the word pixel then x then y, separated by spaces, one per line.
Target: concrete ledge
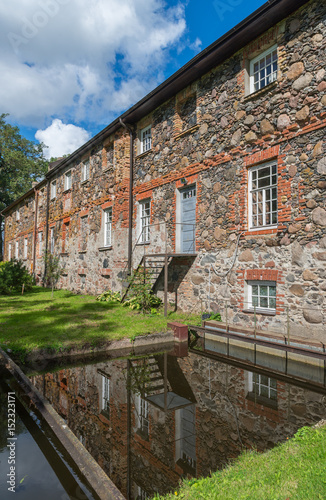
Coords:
pixel 88 467
pixel 128 345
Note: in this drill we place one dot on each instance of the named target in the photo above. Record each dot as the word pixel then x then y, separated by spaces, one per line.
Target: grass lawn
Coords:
pixel 294 470
pixel 34 320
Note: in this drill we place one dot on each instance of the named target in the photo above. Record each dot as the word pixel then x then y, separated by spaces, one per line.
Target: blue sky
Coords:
pixel 70 67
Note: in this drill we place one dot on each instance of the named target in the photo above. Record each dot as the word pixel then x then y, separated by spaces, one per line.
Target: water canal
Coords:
pixel 41 466
pixel 151 420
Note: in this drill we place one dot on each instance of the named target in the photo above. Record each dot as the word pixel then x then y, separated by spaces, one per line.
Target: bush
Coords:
pixel 109 296
pixel 13 275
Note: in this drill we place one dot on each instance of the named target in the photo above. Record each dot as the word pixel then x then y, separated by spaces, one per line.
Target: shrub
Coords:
pixel 142 297
pixel 13 275
pixel 109 296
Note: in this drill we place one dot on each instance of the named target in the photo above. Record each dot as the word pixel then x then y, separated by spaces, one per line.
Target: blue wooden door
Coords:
pixel 188 219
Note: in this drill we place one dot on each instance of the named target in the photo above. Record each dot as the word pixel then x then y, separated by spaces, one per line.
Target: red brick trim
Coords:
pixel 192 179
pixel 66 220
pixel 81 272
pixel 108 204
pixel 84 213
pixel 144 195
pixel 262 156
pixel 262 274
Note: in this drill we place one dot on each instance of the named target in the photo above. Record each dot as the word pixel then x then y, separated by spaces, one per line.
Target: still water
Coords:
pixel 39 468
pixel 151 420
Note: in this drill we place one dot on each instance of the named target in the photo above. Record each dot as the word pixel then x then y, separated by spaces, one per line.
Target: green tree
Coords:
pixel 22 162
pixel 53 269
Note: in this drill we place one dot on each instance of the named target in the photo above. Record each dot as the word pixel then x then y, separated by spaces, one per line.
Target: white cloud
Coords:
pixel 82 59
pixel 62 139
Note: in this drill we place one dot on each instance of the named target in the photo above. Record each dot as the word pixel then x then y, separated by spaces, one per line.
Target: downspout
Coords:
pixel 131 183
pixel 35 229
pixel 46 227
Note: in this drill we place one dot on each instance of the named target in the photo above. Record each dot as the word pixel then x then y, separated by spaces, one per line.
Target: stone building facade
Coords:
pixel 226 165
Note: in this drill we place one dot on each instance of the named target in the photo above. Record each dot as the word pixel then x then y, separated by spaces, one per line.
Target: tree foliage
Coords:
pixel 22 162
pixel 13 275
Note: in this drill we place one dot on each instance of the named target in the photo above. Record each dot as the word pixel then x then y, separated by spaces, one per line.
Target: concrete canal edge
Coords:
pixel 86 464
pixel 132 346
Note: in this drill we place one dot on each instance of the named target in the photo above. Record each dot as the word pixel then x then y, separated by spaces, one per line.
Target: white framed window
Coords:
pixel 53 189
pixel 262 295
pixel 68 180
pixel 263 69
pixel 141 494
pixel 146 139
pixel 142 415
pixel 9 251
pixel 262 386
pixel 25 248
pixel 85 171
pixel 105 399
pixel 145 215
pixel 17 214
pixel 108 227
pixel 17 250
pixel 40 242
pixel 52 239
pixel 263 196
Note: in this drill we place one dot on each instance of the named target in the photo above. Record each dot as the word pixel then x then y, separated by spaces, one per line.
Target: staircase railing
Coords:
pixel 165 253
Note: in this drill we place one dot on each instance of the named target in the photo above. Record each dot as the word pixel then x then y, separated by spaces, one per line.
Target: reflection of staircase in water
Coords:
pixel 164 384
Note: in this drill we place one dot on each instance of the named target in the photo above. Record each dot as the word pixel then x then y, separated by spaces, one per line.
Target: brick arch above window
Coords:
pixel 262 274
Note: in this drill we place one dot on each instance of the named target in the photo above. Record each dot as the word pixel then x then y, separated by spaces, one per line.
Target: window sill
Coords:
pixel 53 198
pixel 261 231
pixel 186 132
pixel 142 243
pixel 270 403
pixel 84 182
pixel 260 92
pixel 107 168
pixel 82 251
pixel 67 191
pixel 64 254
pixel 263 312
pixel 103 249
pixel 140 155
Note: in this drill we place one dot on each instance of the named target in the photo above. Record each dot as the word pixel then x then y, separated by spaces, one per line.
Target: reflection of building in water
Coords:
pixel 188 416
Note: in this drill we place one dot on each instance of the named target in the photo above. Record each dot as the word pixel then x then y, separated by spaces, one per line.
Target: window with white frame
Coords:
pixel 263 69
pixel 9 251
pixel 52 239
pixel 17 250
pixel 141 494
pixel 108 227
pixel 17 214
pixel 263 196
pixel 40 242
pixel 53 189
pixel 262 295
pixel 25 248
pixel 262 387
pixel 146 139
pixel 68 180
pixel 142 415
pixel 85 171
pixel 105 398
pixel 145 214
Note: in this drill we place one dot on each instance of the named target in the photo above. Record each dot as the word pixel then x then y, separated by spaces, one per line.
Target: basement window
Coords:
pixel 262 296
pixel 262 389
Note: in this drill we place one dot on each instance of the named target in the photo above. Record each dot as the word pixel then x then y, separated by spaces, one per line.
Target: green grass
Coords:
pixel 294 470
pixel 35 321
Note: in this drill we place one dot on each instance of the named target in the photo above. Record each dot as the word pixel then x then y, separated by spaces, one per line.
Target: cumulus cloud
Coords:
pixel 82 59
pixel 61 139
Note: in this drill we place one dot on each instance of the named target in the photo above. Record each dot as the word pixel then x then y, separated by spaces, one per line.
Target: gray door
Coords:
pixel 188 219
